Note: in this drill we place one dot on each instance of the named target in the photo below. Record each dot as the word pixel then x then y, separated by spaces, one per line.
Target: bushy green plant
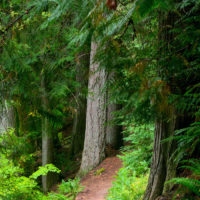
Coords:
pixel 137 155
pixel 55 196
pixel 70 188
pixel 18 149
pixel 127 186
pixel 131 180
pixel 134 163
pixel 15 186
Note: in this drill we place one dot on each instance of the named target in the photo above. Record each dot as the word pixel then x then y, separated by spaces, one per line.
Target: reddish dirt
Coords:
pixel 97 186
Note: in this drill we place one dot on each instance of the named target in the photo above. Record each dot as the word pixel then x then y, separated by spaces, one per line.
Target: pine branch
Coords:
pixel 10 25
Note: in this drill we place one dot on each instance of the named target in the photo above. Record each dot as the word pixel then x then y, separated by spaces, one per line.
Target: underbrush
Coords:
pixel 188 187
pixel 15 186
pixel 131 180
pixel 19 181
pixel 127 186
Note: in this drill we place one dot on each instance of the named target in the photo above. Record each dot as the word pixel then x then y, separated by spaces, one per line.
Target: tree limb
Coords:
pixel 10 25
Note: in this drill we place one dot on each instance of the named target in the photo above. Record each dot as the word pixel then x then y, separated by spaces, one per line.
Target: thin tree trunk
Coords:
pixel 47 140
pixel 7 118
pixel 78 132
pixel 94 145
pixel 47 152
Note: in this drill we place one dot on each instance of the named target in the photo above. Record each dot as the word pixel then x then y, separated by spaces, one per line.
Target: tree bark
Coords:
pixel 7 118
pixel 113 131
pixel 47 152
pixel 158 172
pixel 164 126
pixel 181 121
pixel 94 145
pixel 47 140
pixel 79 122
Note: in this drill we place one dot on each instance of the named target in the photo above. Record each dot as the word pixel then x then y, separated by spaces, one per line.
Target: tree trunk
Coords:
pixel 157 177
pixel 171 162
pixel 47 152
pixel 94 145
pixel 7 118
pixel 171 168
pixel 47 140
pixel 113 131
pixel 165 126
pixel 181 122
pixel 78 132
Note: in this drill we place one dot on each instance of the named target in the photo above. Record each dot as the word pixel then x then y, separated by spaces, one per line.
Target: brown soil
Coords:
pixel 97 186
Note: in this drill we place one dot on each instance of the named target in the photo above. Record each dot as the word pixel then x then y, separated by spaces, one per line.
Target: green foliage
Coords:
pixel 127 186
pixel 44 171
pixel 70 188
pixel 43 45
pixel 131 180
pixel 145 6
pixel 137 155
pixel 187 139
pixel 54 196
pixel 14 185
pixel 193 184
pixel 18 149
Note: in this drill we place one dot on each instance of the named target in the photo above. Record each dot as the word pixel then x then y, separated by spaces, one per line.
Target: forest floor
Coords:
pixel 98 181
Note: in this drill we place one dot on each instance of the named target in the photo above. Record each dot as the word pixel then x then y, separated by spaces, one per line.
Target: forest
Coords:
pixel 100 99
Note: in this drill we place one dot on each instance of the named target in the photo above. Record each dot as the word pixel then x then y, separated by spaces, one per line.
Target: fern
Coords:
pixel 44 171
pixel 192 184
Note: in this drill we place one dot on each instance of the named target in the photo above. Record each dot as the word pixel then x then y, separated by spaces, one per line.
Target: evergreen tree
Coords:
pixel 94 145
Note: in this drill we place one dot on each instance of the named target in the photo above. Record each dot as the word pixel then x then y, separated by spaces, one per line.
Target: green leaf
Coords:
pixel 44 171
pixel 144 6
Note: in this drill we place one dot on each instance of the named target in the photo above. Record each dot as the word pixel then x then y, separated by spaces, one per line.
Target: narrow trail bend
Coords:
pixel 97 186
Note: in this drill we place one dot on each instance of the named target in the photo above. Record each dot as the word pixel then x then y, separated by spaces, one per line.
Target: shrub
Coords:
pixel 70 188
pixel 15 186
pixel 137 155
pixel 18 149
pixel 131 180
pixel 127 186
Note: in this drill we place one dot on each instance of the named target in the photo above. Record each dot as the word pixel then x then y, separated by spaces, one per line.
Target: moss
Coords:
pixel 99 171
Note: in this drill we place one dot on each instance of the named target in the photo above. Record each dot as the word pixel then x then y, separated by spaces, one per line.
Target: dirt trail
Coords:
pixel 96 186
